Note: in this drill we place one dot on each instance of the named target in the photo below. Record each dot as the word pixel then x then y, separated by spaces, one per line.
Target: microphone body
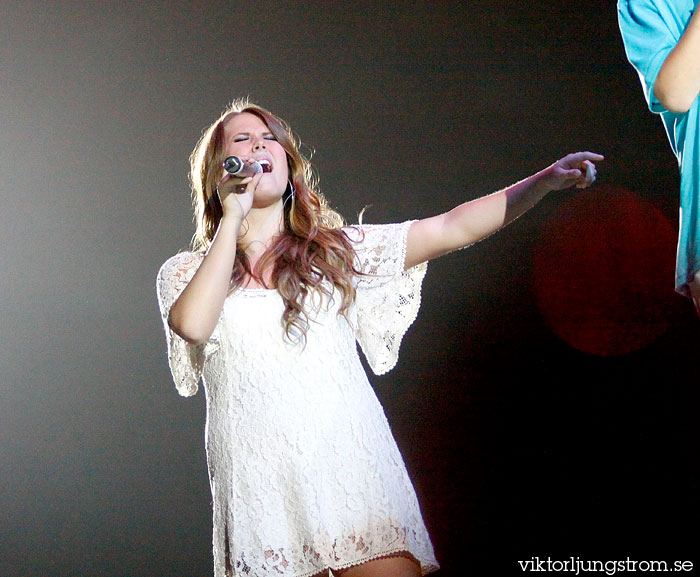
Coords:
pixel 237 167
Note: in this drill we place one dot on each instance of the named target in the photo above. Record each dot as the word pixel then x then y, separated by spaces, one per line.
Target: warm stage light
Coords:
pixel 603 271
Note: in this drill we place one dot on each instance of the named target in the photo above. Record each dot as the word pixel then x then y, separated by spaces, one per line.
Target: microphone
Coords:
pixel 237 167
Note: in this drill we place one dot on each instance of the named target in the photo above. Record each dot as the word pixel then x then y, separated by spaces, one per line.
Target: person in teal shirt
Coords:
pixel 662 42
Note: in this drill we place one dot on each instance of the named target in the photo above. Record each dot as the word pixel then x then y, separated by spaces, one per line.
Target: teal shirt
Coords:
pixel 650 30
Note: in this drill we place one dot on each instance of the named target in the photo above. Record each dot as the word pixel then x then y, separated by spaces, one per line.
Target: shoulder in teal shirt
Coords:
pixel 650 30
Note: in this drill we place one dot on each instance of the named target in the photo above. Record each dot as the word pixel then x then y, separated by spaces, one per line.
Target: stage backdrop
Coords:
pixel 546 398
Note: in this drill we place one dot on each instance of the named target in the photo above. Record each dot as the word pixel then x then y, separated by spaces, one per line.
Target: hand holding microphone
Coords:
pixel 236 166
pixel 234 190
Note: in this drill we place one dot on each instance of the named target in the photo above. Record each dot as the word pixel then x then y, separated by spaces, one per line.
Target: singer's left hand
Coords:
pixel 574 169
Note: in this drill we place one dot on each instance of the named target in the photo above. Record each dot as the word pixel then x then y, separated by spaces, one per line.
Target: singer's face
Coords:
pixel 249 138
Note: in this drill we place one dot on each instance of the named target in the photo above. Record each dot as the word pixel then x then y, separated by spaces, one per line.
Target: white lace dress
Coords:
pixel 304 472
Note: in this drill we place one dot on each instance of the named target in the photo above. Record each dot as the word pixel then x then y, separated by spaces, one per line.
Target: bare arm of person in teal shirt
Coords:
pixel 678 83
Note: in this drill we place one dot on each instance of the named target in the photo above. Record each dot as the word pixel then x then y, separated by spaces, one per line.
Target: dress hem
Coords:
pixel 425 566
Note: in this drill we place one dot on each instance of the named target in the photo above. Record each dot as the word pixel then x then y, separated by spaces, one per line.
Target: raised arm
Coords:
pixel 678 82
pixel 475 220
pixel 195 313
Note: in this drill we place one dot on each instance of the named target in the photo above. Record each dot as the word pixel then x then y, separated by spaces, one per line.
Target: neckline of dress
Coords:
pixel 256 290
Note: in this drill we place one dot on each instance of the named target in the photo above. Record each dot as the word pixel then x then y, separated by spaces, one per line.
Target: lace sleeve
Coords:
pixel 388 297
pixel 185 360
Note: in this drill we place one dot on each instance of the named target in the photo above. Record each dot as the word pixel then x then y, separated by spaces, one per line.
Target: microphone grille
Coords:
pixel 233 164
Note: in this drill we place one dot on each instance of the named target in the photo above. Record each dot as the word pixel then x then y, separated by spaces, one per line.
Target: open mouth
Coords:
pixel 266 166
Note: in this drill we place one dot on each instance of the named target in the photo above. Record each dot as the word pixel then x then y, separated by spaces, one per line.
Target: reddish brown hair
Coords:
pixel 312 249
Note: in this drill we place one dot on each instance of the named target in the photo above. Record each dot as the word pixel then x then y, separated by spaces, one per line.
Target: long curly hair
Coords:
pixel 312 255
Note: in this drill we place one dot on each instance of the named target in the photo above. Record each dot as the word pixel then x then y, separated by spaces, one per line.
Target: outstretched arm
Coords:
pixel 475 220
pixel 678 82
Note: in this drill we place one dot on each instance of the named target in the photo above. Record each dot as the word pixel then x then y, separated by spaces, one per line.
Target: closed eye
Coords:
pixel 242 137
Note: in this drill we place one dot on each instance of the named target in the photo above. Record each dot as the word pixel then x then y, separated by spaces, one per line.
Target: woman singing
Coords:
pixel 267 309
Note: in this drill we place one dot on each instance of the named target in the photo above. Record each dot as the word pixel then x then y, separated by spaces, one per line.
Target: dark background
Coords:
pixel 521 440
